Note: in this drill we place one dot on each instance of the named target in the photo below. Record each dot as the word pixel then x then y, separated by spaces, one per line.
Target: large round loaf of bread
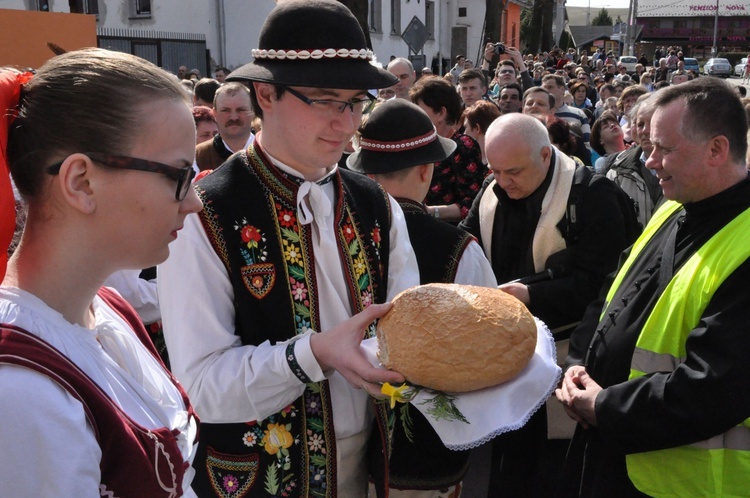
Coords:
pixel 456 338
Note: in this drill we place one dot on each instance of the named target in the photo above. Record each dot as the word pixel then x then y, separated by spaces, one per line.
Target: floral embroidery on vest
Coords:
pixel 295 447
pixel 258 276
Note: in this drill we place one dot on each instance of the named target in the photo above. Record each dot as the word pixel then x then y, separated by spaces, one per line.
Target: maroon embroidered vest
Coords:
pixel 136 461
pixel 250 218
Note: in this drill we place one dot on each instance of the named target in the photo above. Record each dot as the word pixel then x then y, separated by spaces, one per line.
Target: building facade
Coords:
pixel 691 24
pixel 208 33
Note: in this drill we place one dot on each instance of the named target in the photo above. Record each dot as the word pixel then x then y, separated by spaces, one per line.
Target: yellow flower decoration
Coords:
pixel 400 394
pixel 276 437
pixel 292 253
pixel 359 266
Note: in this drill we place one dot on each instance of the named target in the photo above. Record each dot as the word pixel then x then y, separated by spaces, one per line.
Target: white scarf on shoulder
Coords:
pixel 547 238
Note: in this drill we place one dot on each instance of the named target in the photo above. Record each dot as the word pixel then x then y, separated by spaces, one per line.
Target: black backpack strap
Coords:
pixel 568 226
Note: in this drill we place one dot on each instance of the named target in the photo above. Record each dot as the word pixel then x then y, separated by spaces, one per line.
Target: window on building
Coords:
pixel 77 6
pixel 679 23
pixel 143 7
pixel 462 12
pixel 140 8
pixel 374 16
pixel 42 5
pixel 654 23
pixel 429 18
pixel 395 17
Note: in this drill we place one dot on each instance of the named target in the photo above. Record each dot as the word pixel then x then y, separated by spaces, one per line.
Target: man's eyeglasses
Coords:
pixel 507 71
pixel 329 106
pixel 386 93
pixel 183 176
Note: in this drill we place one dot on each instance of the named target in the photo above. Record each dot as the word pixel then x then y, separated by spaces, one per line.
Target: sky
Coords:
pixel 609 4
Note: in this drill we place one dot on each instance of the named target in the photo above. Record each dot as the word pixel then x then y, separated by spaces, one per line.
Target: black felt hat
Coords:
pixel 398 135
pixel 313 43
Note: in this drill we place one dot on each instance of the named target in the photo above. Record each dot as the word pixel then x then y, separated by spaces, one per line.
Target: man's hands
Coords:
pixel 510 53
pixel 577 393
pixel 515 54
pixel 489 52
pixel 339 349
pixel 517 290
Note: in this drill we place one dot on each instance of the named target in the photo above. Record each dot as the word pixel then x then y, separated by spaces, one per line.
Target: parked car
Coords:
pixel 740 68
pixel 629 62
pixel 692 65
pixel 717 66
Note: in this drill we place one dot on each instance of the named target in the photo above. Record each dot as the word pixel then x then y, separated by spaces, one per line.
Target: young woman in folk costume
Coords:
pixel 101 150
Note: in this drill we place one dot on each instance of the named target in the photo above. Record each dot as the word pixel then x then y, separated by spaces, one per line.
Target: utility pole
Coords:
pixel 588 15
pixel 716 30
pixel 635 28
pixel 629 33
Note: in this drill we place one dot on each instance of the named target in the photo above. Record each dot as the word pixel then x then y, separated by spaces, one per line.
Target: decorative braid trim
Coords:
pixel 291 359
pixel 408 144
pixel 329 53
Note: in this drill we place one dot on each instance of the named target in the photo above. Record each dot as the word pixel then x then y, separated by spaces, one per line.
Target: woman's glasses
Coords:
pixel 183 176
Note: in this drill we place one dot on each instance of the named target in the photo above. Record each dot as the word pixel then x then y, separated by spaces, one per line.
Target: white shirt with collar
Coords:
pixel 197 304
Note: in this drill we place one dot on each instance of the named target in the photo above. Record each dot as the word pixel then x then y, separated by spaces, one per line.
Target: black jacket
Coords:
pixel 584 264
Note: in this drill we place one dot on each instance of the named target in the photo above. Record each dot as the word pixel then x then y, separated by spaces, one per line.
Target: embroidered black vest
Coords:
pixel 420 460
pixel 437 245
pixel 250 217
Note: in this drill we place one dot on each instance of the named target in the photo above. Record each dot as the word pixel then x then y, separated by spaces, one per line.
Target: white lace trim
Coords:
pixel 329 53
pixel 540 405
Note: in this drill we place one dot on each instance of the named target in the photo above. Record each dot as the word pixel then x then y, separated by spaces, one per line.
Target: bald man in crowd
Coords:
pixel 404 71
pixel 552 257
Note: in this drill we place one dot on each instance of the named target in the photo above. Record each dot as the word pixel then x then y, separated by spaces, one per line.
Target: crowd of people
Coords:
pixel 216 249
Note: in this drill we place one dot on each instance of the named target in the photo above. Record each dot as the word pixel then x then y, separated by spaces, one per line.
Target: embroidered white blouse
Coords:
pixel 48 447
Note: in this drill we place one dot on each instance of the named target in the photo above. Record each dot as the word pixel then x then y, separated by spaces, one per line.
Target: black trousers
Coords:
pixel 517 460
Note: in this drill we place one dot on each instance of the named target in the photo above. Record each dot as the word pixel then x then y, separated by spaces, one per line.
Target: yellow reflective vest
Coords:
pixel 719 466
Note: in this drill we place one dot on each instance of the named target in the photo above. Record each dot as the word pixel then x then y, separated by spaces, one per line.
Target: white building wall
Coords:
pixel 232 27
pixel 13 4
pixel 474 21
pixel 245 18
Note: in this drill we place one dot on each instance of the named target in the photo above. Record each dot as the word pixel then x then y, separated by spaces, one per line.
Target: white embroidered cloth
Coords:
pixel 494 410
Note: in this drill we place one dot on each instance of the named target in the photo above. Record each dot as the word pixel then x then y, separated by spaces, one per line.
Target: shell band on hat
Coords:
pixel 329 53
pixel 401 145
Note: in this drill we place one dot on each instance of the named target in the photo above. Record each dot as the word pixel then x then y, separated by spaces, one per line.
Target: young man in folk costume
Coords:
pixel 264 328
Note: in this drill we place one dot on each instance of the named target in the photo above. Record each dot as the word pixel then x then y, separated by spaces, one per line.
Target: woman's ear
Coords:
pixel 75 182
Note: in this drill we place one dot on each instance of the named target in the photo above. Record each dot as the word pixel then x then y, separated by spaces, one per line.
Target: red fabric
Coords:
pixel 202 174
pixel 128 449
pixel 10 92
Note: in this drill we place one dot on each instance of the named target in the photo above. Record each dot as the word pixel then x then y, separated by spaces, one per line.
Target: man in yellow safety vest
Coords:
pixel 659 373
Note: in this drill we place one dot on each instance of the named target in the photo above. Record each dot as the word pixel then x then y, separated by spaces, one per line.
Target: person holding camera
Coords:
pixel 506 52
